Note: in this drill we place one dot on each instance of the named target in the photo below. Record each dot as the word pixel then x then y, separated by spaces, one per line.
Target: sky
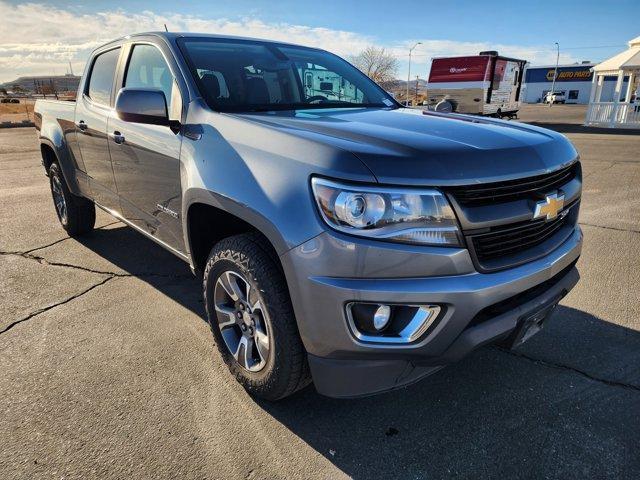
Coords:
pixel 41 37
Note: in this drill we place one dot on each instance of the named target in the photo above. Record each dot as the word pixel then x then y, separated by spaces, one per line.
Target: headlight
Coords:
pixel 407 215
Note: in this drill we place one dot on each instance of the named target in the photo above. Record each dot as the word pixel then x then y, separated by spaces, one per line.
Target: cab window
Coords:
pixel 101 78
pixel 148 69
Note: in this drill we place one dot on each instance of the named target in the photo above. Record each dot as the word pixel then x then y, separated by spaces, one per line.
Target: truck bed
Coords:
pixel 59 111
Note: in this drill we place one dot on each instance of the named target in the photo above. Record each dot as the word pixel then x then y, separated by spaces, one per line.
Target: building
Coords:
pixel 44 84
pixel 574 80
pixel 623 109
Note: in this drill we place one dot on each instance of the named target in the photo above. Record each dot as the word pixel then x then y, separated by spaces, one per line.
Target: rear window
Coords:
pixel 102 74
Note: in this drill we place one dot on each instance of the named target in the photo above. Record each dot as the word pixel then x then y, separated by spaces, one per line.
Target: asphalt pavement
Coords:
pixel 108 370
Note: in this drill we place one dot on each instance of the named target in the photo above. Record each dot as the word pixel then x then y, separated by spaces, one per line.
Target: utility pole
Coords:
pixel 53 88
pixel 415 102
pixel 555 74
pixel 409 72
pixel 70 68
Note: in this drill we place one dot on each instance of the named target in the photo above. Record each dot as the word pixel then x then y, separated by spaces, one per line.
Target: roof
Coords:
pixel 175 35
pixel 627 60
pixel 500 57
pixel 566 65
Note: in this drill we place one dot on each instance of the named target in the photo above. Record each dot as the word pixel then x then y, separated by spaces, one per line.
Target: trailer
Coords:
pixel 484 84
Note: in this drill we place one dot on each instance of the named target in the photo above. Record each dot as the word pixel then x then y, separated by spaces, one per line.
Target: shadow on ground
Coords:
pixel 575 128
pixel 136 255
pixel 561 407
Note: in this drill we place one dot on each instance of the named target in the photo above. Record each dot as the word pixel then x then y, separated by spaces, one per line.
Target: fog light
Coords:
pixel 381 317
pixel 391 324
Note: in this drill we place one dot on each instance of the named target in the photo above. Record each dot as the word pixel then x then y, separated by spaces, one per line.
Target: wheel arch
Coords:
pixel 50 152
pixel 209 218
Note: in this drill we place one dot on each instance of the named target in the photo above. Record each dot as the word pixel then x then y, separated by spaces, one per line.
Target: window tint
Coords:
pixel 147 69
pixel 102 73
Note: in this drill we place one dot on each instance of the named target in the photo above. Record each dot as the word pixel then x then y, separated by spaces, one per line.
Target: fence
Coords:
pixel 610 114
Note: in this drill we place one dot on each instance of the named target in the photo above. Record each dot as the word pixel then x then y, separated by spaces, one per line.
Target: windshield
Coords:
pixel 245 75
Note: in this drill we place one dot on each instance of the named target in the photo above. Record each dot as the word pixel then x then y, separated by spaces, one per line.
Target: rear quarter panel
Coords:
pixel 55 125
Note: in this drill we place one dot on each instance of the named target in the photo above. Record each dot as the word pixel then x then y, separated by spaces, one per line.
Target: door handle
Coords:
pixel 82 126
pixel 117 137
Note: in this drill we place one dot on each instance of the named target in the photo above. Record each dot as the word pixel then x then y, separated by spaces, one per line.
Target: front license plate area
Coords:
pixel 532 323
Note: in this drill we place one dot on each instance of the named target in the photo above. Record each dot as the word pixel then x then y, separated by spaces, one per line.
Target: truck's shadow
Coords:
pixel 566 405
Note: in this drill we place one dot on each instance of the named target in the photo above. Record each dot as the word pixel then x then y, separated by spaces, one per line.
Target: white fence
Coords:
pixel 609 114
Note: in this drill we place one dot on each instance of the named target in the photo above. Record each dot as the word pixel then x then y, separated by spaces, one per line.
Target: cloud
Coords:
pixel 41 39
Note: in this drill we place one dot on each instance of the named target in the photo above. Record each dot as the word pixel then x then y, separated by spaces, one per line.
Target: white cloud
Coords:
pixel 42 39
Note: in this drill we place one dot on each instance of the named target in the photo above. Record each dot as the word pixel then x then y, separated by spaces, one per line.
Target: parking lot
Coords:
pixel 108 369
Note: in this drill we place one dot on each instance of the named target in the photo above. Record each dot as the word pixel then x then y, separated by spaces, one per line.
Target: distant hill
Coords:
pixel 33 84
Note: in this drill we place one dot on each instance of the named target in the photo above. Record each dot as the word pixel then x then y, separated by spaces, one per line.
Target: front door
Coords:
pixel 146 158
pixel 92 111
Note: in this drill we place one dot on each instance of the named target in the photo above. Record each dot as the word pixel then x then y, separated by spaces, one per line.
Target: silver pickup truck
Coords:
pixel 341 238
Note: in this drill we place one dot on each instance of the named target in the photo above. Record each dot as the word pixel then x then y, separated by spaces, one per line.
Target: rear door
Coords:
pixel 146 158
pixel 93 108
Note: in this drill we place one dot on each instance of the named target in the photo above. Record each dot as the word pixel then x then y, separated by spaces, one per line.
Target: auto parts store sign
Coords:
pixel 579 75
pixel 565 74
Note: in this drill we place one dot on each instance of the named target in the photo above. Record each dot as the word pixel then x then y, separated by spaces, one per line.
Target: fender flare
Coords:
pixel 232 207
pixel 60 151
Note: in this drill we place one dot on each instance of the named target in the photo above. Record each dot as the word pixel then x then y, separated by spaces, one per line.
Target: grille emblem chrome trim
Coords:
pixel 549 207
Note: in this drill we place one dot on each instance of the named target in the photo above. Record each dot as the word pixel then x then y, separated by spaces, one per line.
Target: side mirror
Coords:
pixel 142 105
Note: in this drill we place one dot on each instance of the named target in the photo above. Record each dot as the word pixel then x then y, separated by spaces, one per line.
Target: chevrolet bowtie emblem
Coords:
pixel 549 207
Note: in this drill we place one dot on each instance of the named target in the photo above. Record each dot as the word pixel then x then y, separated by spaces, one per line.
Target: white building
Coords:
pixel 574 80
pixel 623 110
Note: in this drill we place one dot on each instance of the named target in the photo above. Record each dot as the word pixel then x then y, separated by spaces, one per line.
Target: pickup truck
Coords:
pixel 340 237
pixel 555 97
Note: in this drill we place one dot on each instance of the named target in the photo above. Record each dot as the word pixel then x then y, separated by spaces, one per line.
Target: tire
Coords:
pixel 77 215
pixel 444 106
pixel 270 369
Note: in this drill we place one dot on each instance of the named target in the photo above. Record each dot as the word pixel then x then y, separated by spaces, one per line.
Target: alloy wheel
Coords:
pixel 242 320
pixel 58 199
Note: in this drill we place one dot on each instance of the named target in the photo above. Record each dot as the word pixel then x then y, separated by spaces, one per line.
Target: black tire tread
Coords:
pixel 81 212
pixel 291 370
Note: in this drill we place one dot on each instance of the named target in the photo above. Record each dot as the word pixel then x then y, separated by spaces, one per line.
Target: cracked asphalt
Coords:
pixel 107 369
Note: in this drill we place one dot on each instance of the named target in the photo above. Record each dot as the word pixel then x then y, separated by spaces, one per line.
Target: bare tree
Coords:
pixel 378 64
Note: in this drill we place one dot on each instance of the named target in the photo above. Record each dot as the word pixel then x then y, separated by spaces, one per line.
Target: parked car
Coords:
pixel 555 97
pixel 340 237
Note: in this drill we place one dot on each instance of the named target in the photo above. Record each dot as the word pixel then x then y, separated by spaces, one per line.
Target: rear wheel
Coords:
pixel 251 318
pixel 77 215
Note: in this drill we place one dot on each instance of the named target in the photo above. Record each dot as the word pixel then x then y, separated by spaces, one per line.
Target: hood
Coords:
pixel 411 147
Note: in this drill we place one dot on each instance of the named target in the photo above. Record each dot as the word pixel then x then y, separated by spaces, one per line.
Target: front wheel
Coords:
pixel 251 318
pixel 77 215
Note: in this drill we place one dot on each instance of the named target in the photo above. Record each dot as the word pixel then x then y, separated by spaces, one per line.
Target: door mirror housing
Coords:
pixel 142 105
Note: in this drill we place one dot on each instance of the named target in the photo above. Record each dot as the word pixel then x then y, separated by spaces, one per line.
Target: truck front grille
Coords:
pixel 513 244
pixel 501 192
pixel 513 240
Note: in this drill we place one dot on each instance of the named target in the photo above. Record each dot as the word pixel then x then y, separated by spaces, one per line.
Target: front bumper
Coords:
pixel 331 270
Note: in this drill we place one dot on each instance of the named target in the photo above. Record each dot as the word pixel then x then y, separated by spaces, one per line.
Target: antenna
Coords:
pixel 165 28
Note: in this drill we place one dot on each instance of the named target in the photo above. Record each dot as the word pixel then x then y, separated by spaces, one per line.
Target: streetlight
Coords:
pixel 406 103
pixel 555 74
